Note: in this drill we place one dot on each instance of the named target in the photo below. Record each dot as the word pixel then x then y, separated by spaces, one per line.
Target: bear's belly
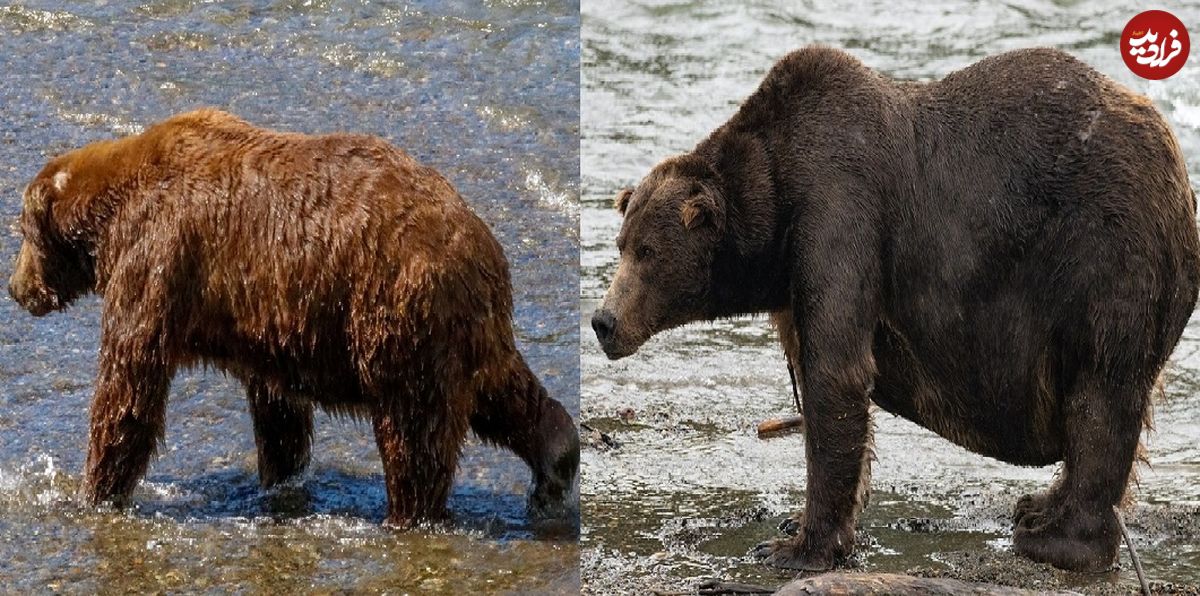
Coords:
pixel 323 377
pixel 1012 440
pixel 1018 421
pixel 317 388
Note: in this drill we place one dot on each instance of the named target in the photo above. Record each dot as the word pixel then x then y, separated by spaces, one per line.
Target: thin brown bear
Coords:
pixel 331 271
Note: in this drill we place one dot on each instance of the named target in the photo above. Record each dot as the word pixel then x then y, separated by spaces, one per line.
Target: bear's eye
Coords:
pixel 644 252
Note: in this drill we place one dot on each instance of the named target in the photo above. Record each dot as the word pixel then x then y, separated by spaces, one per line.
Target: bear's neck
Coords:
pixel 750 269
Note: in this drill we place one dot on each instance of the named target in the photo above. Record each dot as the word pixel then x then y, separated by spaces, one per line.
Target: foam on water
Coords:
pixel 37 482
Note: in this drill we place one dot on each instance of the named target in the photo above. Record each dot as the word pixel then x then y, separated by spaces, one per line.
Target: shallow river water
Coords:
pixel 486 92
pixel 691 488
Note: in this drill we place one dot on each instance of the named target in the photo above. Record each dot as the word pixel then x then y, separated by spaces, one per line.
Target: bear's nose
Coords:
pixel 604 324
pixel 15 289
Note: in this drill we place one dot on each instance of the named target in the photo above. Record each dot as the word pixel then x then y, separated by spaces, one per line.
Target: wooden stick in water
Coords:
pixel 1137 562
pixel 780 426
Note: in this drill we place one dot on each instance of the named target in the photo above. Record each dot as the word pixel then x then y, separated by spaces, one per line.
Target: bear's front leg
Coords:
pixel 835 309
pixel 128 410
pixel 837 438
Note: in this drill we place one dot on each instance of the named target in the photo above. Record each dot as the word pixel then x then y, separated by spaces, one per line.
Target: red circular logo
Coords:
pixel 1154 45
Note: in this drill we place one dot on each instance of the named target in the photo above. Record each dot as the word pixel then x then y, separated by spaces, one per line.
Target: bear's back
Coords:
pixel 1039 127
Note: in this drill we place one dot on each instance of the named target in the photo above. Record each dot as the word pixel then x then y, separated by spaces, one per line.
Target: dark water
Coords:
pixel 691 489
pixel 486 92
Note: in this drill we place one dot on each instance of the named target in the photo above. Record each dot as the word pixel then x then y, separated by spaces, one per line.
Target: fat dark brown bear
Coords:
pixel 330 270
pixel 1006 257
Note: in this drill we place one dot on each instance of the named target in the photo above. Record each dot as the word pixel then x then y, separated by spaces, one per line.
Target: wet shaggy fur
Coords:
pixel 330 271
pixel 1006 257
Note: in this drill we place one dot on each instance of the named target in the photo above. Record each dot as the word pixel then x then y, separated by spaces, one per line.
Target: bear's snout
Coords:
pixel 604 323
pixel 37 305
pixel 24 291
pixel 614 340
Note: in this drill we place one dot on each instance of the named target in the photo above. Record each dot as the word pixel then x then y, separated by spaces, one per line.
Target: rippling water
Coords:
pixel 691 489
pixel 486 92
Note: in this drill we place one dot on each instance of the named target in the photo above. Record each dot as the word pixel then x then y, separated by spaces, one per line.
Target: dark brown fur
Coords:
pixel 320 270
pixel 1007 257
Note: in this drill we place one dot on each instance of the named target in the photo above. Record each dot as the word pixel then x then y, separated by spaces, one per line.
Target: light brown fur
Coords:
pixel 331 270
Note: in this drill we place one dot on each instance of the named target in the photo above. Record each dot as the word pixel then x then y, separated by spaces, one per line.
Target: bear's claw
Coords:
pixel 1029 505
pixel 791 553
pixel 1068 538
pixel 791 526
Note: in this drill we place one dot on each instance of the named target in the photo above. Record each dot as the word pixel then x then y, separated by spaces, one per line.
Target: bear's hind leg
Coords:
pixel 283 431
pixel 419 442
pixel 1073 525
pixel 516 413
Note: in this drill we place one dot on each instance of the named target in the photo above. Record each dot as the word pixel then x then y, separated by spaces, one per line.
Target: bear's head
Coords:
pixel 674 223
pixel 55 265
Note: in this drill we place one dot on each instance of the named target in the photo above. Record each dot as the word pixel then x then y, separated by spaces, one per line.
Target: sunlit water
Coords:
pixel 691 489
pixel 486 92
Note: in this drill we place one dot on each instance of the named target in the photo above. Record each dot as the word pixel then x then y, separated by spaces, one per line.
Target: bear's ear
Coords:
pixel 37 200
pixel 622 200
pixel 701 209
pixel 60 180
